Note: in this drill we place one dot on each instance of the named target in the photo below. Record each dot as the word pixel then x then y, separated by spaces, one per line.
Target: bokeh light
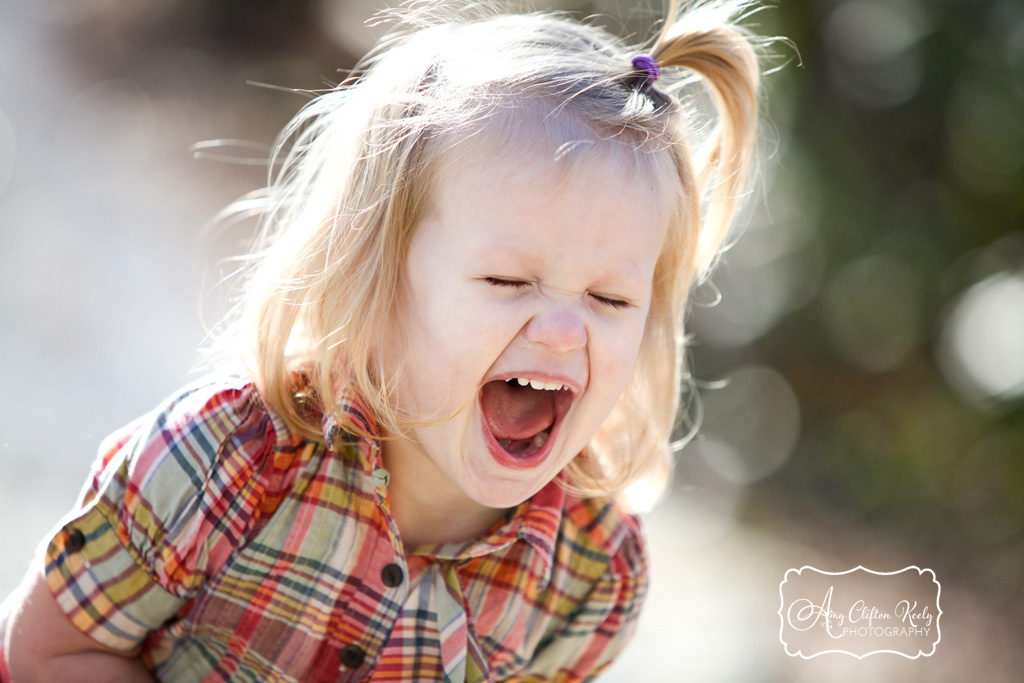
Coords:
pixel 873 49
pixel 772 268
pixel 982 349
pixel 752 425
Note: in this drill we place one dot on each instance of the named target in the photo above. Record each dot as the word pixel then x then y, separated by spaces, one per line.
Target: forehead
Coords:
pixel 540 140
pixel 576 218
pixel 536 133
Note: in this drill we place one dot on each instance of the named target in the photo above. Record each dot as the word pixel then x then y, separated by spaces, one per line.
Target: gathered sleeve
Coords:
pixel 169 499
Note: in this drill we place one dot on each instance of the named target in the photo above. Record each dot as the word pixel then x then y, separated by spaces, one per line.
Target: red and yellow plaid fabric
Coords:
pixel 230 549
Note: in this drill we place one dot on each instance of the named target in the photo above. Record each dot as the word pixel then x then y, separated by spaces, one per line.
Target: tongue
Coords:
pixel 515 412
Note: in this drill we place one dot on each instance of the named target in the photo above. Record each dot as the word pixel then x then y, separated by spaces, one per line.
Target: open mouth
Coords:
pixel 523 414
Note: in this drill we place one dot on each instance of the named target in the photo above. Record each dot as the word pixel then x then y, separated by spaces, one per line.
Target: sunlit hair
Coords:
pixel 357 166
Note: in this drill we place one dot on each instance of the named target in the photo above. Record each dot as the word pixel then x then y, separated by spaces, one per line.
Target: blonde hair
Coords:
pixel 355 170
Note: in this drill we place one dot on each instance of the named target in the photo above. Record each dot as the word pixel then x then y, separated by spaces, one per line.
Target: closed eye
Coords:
pixel 614 303
pixel 501 282
pixel 611 302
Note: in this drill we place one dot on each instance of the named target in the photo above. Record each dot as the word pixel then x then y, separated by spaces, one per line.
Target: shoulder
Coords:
pixel 192 474
pixel 600 529
pixel 597 588
pixel 216 406
pixel 211 439
pixel 174 446
pixel 600 559
pixel 197 426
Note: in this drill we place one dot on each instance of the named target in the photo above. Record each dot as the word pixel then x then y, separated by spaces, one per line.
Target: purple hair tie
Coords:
pixel 649 65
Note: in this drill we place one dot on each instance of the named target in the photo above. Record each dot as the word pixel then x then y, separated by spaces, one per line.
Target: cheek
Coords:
pixel 453 339
pixel 616 355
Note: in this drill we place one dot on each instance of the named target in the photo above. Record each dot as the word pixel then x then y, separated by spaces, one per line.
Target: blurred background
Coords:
pixel 863 372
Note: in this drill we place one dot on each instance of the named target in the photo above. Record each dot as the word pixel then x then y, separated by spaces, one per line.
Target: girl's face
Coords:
pixel 521 273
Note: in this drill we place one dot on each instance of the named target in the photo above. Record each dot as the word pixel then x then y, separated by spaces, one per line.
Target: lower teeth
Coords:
pixel 537 441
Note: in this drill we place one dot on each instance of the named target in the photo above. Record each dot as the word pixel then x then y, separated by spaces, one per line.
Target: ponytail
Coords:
pixel 704 40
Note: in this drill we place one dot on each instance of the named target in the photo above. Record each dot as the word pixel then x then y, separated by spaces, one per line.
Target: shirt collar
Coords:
pixel 356 419
pixel 535 522
pixel 345 437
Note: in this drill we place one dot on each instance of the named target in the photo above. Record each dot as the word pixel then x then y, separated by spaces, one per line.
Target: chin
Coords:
pixel 505 494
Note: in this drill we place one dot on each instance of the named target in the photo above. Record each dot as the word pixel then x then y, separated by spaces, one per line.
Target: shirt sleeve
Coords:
pixel 604 623
pixel 170 497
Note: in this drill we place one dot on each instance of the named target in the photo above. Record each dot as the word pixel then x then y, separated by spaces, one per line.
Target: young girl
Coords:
pixel 460 340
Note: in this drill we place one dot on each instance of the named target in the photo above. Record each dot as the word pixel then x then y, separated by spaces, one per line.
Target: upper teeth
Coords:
pixel 537 384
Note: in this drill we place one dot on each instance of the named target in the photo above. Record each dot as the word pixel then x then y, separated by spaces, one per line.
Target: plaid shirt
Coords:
pixel 229 548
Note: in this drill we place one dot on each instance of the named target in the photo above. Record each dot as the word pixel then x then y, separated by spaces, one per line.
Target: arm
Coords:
pixel 43 644
pixel 158 516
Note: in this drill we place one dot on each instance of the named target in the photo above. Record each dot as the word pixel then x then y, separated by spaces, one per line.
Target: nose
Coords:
pixel 559 328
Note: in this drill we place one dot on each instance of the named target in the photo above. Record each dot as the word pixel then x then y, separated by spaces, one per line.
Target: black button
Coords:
pixel 392 576
pixel 352 656
pixel 75 541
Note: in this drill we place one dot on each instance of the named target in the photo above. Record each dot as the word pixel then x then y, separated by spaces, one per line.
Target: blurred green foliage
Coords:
pixel 907 128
